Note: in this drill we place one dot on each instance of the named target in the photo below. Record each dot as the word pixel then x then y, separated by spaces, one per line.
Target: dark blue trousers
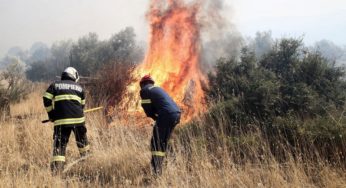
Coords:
pixel 161 133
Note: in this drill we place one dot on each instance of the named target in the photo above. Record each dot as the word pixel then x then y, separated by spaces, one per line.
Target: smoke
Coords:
pixel 331 51
pixel 220 37
pixel 262 43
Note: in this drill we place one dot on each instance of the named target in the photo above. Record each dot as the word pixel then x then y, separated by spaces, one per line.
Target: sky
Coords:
pixel 24 22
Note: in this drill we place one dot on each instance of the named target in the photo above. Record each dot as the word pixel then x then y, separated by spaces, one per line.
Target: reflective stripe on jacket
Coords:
pixel 155 101
pixel 64 102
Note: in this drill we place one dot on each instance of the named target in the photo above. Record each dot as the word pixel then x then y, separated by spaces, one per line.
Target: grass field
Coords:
pixel 120 158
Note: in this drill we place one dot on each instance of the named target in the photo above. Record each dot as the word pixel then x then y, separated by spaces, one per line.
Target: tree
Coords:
pixel 39 52
pixel 40 71
pixel 90 54
pixel 83 55
pixel 124 47
pixel 47 68
pixel 87 55
pixel 60 56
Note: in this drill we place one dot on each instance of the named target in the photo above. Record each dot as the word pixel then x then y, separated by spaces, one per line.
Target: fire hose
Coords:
pixel 85 111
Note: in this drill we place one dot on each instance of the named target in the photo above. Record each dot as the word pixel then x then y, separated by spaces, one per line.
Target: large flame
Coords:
pixel 173 55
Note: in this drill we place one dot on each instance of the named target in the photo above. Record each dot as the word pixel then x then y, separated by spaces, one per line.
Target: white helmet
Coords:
pixel 72 73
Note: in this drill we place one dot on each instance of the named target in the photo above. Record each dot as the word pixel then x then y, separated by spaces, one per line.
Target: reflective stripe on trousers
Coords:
pixel 58 158
pixel 69 121
pixel 158 153
pixel 85 149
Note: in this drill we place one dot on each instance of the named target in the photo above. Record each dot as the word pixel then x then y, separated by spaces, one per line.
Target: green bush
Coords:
pixel 295 98
pixel 287 79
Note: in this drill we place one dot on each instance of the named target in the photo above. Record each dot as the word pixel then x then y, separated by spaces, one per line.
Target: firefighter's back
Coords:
pixel 69 101
pixel 162 102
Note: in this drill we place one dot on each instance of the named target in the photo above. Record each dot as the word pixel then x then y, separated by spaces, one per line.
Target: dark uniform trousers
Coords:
pixel 61 137
pixel 159 142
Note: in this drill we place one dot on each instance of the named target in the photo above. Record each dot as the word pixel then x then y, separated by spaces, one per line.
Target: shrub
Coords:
pixel 282 81
pixel 17 87
pixel 110 84
pixel 13 87
pixel 288 95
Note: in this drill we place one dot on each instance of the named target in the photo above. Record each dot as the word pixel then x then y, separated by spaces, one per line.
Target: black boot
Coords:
pixel 57 167
pixel 156 163
pixel 84 152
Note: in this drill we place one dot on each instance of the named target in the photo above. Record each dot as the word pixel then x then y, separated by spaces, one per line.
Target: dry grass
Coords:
pixel 120 158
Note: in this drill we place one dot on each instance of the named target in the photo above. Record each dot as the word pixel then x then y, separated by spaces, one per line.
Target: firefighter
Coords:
pixel 64 102
pixel 159 106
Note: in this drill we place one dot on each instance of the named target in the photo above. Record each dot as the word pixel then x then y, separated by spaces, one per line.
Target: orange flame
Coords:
pixel 173 55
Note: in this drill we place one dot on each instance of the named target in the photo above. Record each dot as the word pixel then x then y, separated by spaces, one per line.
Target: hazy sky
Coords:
pixel 24 22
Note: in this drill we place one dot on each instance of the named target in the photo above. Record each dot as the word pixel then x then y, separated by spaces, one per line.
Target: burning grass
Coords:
pixel 120 157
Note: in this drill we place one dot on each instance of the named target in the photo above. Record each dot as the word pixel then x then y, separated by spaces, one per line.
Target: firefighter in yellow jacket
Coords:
pixel 64 102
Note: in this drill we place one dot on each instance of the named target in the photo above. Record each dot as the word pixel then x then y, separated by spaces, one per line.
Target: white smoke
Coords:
pixel 220 37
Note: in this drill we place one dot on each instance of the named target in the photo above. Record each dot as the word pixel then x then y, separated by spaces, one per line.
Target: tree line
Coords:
pixel 88 54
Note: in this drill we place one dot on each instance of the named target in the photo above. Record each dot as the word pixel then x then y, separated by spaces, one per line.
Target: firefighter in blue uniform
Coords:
pixel 64 102
pixel 159 106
